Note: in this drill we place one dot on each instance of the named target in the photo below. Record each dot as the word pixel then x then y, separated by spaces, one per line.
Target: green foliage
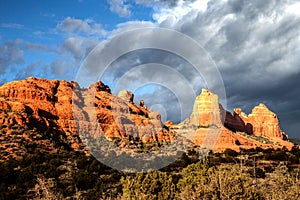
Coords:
pixel 223 182
pixel 231 152
pixel 281 184
pixel 152 185
pixel 61 170
pixel 256 172
pixel 69 174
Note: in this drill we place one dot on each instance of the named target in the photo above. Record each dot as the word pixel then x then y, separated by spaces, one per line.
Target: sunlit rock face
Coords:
pixel 239 130
pixel 59 106
pixel 62 107
pixel 265 122
pixel 206 111
pixel 261 122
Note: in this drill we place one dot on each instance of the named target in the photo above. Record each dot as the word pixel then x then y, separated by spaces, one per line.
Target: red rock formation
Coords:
pixel 126 95
pixel 206 110
pixel 236 122
pixel 56 106
pixel 265 122
pixel 261 122
pixel 225 139
pixel 62 107
pixel 238 131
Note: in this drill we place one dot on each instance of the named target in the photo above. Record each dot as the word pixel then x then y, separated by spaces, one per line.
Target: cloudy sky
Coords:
pixel 253 44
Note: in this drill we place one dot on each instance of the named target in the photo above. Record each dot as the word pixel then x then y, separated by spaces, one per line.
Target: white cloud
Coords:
pixel 12 25
pixel 78 47
pixel 74 46
pixel 39 47
pixel 11 53
pixel 120 7
pixel 180 10
pixel 29 70
pixel 294 8
pixel 77 26
pixel 81 36
pixel 61 67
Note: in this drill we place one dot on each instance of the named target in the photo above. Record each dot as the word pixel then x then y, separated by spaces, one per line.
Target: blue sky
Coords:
pixel 34 25
pixel 33 16
pixel 254 44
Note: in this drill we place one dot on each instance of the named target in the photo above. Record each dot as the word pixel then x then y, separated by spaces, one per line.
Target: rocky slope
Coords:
pixel 63 109
pixel 238 130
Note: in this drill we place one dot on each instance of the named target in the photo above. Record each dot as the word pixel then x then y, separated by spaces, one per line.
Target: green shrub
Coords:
pixel 152 185
pixel 256 173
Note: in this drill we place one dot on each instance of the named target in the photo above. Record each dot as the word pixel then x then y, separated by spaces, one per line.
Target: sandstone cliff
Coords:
pixel 206 111
pixel 62 108
pixel 261 122
pixel 238 130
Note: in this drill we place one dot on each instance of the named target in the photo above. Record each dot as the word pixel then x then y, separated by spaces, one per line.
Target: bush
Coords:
pixel 231 152
pixel 223 182
pixel 256 173
pixel 152 185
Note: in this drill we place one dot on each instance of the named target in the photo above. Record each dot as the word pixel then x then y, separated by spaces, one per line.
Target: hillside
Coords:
pixel 47 114
pixel 50 128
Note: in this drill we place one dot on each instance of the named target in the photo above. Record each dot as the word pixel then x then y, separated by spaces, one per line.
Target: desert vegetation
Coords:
pixel 69 174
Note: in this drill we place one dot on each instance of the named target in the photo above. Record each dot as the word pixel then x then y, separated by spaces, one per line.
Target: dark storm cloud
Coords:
pixel 145 56
pixel 255 44
pixel 171 110
pixel 133 59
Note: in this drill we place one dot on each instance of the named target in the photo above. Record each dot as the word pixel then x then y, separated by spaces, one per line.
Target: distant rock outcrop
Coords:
pixel 204 127
pixel 206 110
pixel 265 123
pixel 261 122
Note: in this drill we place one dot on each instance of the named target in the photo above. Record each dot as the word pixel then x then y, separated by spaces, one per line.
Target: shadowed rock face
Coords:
pixel 59 106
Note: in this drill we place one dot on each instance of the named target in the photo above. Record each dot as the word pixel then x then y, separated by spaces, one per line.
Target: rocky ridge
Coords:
pixel 215 128
pixel 63 108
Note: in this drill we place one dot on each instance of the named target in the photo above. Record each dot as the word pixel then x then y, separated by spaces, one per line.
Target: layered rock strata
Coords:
pixel 62 107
